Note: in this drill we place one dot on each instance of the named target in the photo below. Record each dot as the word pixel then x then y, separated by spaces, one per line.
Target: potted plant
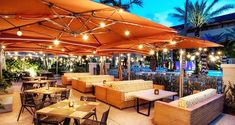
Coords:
pixel 6 99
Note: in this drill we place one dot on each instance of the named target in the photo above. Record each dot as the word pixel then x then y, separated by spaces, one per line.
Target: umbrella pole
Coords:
pixel 57 59
pixel 129 65
pixel 181 76
pixel 1 59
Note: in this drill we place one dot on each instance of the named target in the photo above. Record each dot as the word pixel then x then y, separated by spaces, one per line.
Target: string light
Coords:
pixel 56 42
pixel 102 24
pixel 181 52
pixel 50 47
pixel 172 42
pixel 85 37
pixel 94 52
pixel 205 49
pixel 40 52
pixel 19 33
pixel 127 33
pixel 120 10
pixel 219 52
pixel 151 52
pixel 62 50
pixel 188 55
pixel 3 47
pixel 192 58
pixel 197 53
pixel 200 49
pixel 140 46
pixel 165 50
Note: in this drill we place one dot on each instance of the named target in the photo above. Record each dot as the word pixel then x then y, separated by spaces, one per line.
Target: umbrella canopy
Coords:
pixel 80 26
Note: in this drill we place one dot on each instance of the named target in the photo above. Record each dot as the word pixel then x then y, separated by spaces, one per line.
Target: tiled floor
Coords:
pixel 116 116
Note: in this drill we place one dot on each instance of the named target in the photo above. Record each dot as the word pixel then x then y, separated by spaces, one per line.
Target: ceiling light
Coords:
pixel 151 52
pixel 102 24
pixel 173 42
pixel 85 37
pixel 19 33
pixel 120 10
pixel 140 46
pixel 127 33
pixel 56 42
pixel 50 47
pixel 3 47
pixel 165 50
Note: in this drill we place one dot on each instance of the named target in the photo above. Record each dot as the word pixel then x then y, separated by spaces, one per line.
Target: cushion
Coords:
pixel 191 100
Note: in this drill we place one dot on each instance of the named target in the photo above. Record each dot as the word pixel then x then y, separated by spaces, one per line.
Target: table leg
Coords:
pixel 138 105
pixel 44 97
pixel 66 121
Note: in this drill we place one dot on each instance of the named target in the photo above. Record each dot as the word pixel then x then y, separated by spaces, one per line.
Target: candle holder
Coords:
pixel 156 91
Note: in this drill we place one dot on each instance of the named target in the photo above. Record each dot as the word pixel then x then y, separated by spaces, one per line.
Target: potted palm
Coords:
pixel 6 98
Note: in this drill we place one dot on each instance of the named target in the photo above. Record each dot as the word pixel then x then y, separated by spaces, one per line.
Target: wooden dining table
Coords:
pixel 39 81
pixel 34 78
pixel 62 109
pixel 46 91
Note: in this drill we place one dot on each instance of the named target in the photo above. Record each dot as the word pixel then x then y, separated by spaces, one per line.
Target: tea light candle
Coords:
pixel 71 103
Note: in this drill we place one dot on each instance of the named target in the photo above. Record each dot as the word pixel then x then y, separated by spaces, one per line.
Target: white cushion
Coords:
pixel 191 100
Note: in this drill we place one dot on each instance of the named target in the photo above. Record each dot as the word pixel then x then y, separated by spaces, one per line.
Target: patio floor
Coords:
pixel 116 116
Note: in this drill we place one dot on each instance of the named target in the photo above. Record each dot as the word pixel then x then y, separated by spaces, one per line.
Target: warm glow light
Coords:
pixel 85 37
pixel 120 10
pixel 127 33
pixel 219 52
pixel 102 24
pixel 200 49
pixel 151 52
pixel 40 52
pixel 205 49
pixel 19 33
pixel 3 47
pixel 173 42
pixel 50 47
pixel 56 42
pixel 181 52
pixel 15 57
pixel 94 52
pixel 192 58
pixel 213 59
pixel 62 50
pixel 188 55
pixel 165 50
pixel 197 53
pixel 16 53
pixel 217 57
pixel 140 46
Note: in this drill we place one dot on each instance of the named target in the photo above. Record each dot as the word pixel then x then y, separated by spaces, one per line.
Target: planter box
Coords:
pixel 7 102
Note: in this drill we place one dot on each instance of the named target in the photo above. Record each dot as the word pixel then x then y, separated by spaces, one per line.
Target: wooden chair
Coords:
pixel 65 94
pixel 93 113
pixel 102 122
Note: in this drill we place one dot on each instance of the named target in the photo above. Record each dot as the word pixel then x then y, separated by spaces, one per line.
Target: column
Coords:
pixel 181 76
pixel 129 66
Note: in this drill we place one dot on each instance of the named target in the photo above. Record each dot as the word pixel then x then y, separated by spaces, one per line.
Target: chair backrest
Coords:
pixel 105 117
pixel 65 94
pixel 90 99
pixel 26 99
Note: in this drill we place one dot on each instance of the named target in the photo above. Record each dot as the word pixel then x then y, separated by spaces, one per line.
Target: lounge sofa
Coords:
pixel 84 83
pixel 120 93
pixel 197 109
pixel 67 77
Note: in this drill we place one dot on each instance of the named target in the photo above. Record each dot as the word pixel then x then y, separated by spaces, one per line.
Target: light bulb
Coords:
pixel 200 49
pixel 94 52
pixel 165 50
pixel 102 24
pixel 197 53
pixel 151 52
pixel 56 42
pixel 19 33
pixel 181 52
pixel 173 42
pixel 140 46
pixel 120 10
pixel 3 47
pixel 205 49
pixel 188 56
pixel 40 52
pixel 85 37
pixel 127 32
pixel 50 47
pixel 62 50
pixel 219 52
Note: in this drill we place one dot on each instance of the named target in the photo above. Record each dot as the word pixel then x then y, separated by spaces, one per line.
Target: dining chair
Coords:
pixel 65 94
pixel 46 120
pixel 92 113
pixel 102 122
pixel 28 103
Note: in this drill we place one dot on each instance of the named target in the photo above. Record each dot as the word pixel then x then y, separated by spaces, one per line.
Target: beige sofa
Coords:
pixel 67 77
pixel 84 83
pixel 197 109
pixel 120 93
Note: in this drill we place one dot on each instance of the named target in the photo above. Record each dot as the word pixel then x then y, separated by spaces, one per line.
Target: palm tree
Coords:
pixel 200 13
pixel 215 38
pixel 231 33
pixel 125 6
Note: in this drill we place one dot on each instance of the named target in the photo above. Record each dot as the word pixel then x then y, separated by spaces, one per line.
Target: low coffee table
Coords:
pixel 151 97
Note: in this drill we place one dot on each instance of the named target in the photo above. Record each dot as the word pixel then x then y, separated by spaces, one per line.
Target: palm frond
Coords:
pixel 211 6
pixel 179 16
pixel 137 2
pixel 221 9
